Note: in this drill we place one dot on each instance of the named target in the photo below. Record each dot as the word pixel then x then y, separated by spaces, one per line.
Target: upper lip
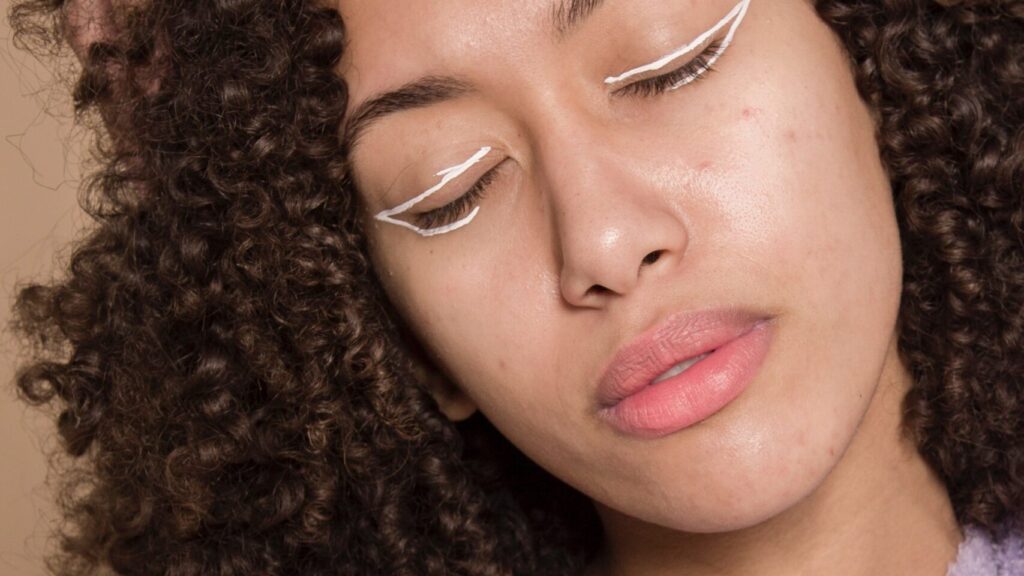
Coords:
pixel 679 337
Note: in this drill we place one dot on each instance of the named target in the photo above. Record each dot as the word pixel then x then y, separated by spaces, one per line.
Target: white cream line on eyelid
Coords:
pixel 427 232
pixel 447 175
pixel 718 53
pixel 737 13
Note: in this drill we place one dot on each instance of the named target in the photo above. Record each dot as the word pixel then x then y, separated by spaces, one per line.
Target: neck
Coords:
pixel 881 511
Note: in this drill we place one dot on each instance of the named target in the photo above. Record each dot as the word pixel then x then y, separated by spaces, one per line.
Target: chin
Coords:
pixel 746 477
pixel 732 506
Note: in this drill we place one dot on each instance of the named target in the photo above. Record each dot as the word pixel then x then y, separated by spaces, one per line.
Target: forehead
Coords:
pixel 390 42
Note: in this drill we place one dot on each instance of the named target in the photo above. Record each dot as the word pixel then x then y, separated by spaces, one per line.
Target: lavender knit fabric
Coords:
pixel 982 555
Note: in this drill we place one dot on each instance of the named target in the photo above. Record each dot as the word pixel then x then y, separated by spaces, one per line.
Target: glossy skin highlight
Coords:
pixel 758 187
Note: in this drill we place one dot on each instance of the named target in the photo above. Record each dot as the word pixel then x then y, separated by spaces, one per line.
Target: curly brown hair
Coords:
pixel 237 393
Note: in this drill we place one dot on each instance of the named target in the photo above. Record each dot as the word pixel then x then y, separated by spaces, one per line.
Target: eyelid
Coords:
pixel 447 175
pixel 735 15
pixel 459 205
pixel 699 67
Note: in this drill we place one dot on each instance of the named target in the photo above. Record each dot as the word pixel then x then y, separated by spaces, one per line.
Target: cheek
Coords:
pixel 817 211
pixel 488 310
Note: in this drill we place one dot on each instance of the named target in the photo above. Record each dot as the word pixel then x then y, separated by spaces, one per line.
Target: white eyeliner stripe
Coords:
pixel 740 9
pixel 447 175
pixel 439 230
pixel 721 50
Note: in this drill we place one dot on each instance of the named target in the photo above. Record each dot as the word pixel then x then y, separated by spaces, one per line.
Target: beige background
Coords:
pixel 40 159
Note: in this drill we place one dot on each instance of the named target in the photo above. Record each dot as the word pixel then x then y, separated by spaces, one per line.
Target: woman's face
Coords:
pixel 609 209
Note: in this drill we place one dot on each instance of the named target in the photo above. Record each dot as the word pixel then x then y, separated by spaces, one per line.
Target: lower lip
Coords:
pixel 688 398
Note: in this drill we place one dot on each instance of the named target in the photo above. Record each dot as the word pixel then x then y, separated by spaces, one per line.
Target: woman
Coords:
pixel 544 287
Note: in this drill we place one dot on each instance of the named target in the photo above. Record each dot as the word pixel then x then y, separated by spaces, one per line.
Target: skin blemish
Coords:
pixel 735 16
pixel 447 175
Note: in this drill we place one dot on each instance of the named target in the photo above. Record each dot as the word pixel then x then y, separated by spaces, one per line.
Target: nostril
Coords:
pixel 597 290
pixel 652 257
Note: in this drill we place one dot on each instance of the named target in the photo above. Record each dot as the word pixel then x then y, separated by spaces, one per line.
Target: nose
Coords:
pixel 615 223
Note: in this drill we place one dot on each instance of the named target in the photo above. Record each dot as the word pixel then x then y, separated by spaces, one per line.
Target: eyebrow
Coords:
pixel 423 92
pixel 566 15
pixel 569 14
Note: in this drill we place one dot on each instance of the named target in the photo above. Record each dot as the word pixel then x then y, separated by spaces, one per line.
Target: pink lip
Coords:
pixel 738 341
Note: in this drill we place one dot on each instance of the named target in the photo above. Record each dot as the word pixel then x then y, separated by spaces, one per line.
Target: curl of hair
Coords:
pixel 236 387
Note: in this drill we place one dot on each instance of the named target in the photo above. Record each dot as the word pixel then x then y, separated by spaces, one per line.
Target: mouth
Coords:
pixel 680 368
pixel 683 370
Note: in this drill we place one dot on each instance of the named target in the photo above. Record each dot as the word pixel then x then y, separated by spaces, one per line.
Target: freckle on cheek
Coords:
pixel 791 136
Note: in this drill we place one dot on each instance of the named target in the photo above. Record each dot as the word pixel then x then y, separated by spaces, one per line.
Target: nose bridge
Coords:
pixel 575 155
pixel 610 220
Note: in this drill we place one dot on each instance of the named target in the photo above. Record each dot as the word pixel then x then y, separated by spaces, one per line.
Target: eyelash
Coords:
pixel 696 69
pixel 451 212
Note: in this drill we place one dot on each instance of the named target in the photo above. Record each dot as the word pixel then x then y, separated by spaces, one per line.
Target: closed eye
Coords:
pixel 696 69
pixel 456 209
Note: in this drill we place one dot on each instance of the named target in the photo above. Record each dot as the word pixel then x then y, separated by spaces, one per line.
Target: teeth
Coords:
pixel 680 368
